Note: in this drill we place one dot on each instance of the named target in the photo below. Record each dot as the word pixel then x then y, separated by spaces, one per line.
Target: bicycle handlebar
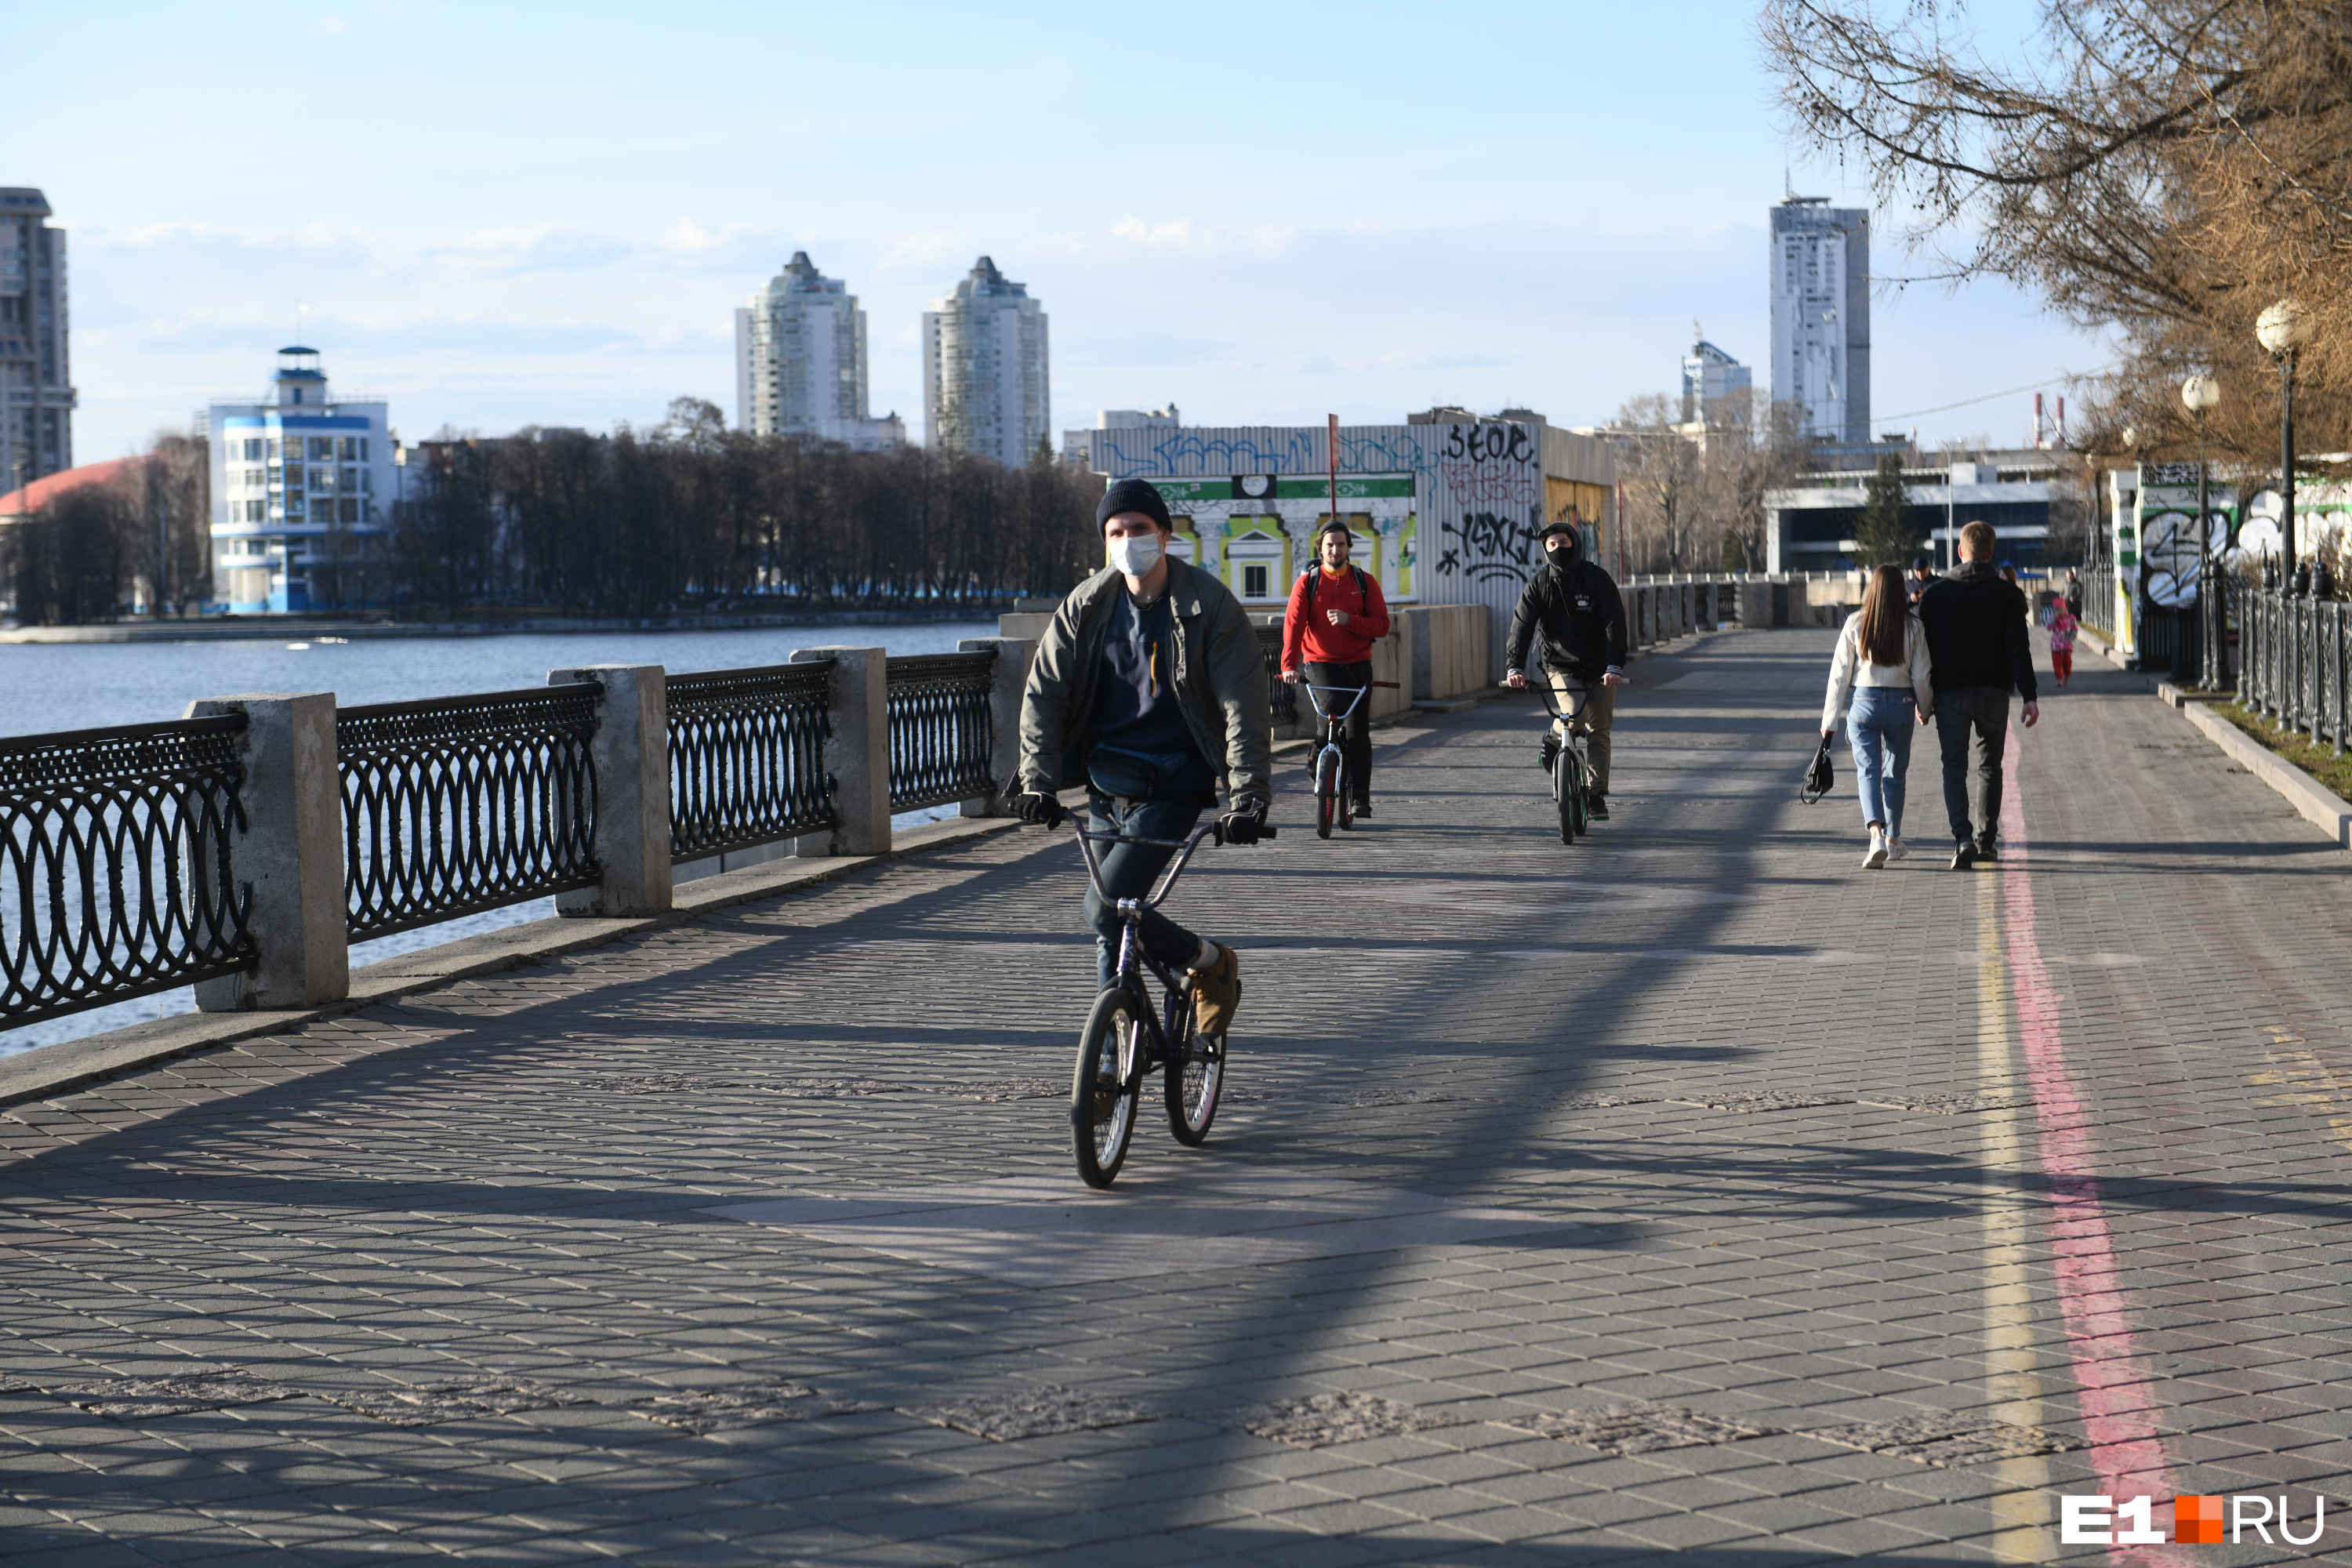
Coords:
pixel 1545 690
pixel 1088 839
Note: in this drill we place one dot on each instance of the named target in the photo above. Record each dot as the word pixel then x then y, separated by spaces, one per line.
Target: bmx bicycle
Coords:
pixel 1571 765
pixel 1126 1038
pixel 1335 786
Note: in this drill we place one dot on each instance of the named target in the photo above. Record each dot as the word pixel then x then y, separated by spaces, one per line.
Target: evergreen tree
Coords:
pixel 1885 536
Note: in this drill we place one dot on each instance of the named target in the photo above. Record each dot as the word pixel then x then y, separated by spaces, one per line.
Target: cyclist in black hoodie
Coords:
pixel 1975 622
pixel 1575 604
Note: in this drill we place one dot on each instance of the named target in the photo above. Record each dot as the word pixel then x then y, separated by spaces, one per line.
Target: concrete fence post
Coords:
pixel 1006 683
pixel 631 758
pixel 289 859
pixel 857 752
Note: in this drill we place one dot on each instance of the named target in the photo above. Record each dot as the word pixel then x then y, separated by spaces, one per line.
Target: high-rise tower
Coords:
pixel 985 386
pixel 799 360
pixel 1821 315
pixel 36 394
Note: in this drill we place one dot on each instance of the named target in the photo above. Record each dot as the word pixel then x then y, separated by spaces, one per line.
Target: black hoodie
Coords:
pixel 1975 621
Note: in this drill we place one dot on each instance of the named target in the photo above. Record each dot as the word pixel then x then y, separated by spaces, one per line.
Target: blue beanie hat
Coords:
pixel 1134 495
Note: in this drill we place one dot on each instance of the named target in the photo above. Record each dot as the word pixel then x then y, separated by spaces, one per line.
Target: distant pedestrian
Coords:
pixel 1882 664
pixel 2073 593
pixel 1976 642
pixel 2062 627
pixel 1923 571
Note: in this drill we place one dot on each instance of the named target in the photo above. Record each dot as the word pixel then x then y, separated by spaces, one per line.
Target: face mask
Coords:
pixel 1136 555
pixel 1562 556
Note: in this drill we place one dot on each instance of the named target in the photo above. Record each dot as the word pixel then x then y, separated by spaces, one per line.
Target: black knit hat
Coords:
pixel 1335 525
pixel 1134 495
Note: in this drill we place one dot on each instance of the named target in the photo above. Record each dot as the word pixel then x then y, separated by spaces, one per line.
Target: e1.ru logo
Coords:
pixel 2196 1520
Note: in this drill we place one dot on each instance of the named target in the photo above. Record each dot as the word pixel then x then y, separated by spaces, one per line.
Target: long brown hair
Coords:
pixel 1886 612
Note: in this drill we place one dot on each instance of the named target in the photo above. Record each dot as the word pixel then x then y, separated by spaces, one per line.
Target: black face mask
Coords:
pixel 1562 556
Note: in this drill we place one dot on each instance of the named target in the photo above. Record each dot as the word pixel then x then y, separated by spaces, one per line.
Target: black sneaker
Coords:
pixel 1597 809
pixel 1965 856
pixel 1986 854
pixel 1550 753
pixel 1363 809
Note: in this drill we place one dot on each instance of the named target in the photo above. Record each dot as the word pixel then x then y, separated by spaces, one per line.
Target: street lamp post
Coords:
pixel 2200 394
pixel 2280 329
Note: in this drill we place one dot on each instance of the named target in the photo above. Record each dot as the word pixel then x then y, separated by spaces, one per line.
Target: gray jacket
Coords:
pixel 1220 685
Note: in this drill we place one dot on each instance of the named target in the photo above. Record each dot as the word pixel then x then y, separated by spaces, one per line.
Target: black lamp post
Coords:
pixel 2280 329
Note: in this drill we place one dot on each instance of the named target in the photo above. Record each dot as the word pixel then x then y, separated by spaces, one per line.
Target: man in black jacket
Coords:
pixel 1574 603
pixel 1974 623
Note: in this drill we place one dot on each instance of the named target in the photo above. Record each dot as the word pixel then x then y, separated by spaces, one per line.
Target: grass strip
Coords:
pixel 2319 761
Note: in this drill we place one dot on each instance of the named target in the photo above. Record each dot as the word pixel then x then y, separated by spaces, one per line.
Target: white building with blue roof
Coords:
pixel 302 493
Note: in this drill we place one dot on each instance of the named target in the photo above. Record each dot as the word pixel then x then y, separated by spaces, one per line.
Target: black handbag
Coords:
pixel 1820 777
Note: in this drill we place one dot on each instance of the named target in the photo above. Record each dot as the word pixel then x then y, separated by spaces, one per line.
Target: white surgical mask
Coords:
pixel 1136 555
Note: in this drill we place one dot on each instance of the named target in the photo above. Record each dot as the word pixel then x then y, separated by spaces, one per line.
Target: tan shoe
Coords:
pixel 1217 994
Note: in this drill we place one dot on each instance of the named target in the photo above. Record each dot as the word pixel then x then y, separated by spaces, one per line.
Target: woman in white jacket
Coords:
pixel 1881 664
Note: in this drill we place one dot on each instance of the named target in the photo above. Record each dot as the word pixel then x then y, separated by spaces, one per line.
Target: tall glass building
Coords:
pixel 1821 315
pixel 302 493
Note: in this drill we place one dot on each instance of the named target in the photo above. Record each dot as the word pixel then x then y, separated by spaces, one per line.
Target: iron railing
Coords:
pixel 115 874
pixel 462 803
pixel 1281 697
pixel 942 729
pixel 2098 612
pixel 2295 661
pixel 747 757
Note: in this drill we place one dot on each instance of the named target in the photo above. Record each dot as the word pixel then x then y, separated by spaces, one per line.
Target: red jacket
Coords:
pixel 1310 636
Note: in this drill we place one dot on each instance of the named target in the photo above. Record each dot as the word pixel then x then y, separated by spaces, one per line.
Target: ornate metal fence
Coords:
pixel 1281 697
pixel 2295 661
pixel 462 803
pixel 747 757
pixel 943 732
pixel 115 877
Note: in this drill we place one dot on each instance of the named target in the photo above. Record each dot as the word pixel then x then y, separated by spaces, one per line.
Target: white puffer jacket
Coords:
pixel 1852 668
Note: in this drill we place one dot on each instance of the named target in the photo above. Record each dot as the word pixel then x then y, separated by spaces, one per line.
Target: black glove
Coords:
pixel 1036 806
pixel 1242 826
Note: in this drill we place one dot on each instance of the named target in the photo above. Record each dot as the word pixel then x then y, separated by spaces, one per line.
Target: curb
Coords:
pixel 51 1070
pixel 2313 801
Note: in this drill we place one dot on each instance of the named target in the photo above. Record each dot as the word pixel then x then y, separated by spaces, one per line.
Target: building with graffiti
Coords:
pixel 2151 540
pixel 1444 508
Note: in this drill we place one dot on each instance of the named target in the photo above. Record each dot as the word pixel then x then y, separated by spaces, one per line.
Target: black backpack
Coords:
pixel 1313 574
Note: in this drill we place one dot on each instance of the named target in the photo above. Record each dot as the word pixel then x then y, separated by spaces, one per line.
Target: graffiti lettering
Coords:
pixel 1489 483
pixel 1482 443
pixel 1492 545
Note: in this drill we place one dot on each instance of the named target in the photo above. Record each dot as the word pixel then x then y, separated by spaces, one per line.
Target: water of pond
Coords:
pixel 45 687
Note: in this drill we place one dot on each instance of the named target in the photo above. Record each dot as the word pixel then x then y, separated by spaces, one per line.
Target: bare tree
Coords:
pixel 2165 167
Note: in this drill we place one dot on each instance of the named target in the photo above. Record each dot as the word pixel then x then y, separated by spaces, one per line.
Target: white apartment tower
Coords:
pixel 1709 375
pixel 800 362
pixel 1821 315
pixel 36 394
pixel 984 369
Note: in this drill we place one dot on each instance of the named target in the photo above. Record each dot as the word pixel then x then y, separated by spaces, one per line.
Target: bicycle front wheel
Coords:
pixel 1195 1077
pixel 1327 793
pixel 1567 789
pixel 1106 1084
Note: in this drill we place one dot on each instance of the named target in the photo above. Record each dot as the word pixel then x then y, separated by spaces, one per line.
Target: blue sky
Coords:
pixel 511 213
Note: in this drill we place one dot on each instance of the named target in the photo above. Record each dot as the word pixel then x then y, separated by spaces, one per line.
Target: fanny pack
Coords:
pixel 1145 775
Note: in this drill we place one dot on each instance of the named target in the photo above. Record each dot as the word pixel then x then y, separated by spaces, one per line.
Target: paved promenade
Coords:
pixel 1687 1192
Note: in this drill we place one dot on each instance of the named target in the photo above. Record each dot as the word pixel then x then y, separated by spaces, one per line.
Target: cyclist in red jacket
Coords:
pixel 1336 614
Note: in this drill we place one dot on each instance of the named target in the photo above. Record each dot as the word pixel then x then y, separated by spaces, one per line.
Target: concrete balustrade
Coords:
pixel 289 855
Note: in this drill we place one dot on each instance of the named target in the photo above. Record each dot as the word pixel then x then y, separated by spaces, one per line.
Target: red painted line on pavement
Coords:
pixel 2115 1393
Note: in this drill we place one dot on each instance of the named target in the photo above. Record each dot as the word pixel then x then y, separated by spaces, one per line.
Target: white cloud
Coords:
pixel 540 247
pixel 330 27
pixel 1198 239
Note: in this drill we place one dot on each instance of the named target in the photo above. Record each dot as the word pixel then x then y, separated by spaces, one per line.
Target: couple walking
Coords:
pixel 1955 661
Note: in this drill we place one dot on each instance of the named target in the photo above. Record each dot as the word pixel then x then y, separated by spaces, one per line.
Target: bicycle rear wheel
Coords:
pixel 1327 793
pixel 1106 1084
pixel 1195 1078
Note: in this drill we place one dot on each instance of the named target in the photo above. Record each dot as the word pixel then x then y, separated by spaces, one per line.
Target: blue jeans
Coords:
pixel 1879 724
pixel 1127 870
